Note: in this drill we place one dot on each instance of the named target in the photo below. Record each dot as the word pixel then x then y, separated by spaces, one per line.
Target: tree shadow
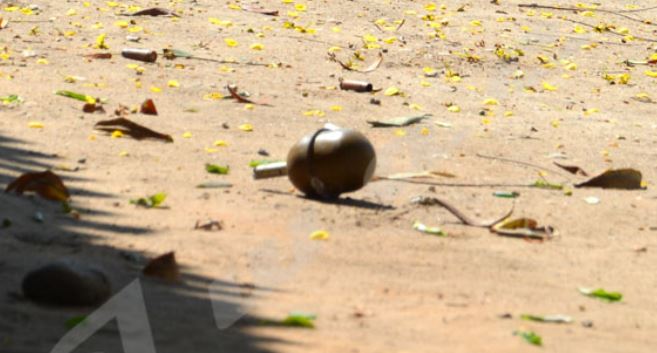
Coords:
pixel 33 231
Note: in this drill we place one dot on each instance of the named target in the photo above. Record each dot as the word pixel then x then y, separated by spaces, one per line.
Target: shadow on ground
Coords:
pixel 181 316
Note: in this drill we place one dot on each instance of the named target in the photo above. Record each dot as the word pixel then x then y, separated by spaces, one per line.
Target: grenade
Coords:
pixel 327 163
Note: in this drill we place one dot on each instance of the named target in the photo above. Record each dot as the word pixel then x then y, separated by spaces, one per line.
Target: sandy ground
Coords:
pixel 376 285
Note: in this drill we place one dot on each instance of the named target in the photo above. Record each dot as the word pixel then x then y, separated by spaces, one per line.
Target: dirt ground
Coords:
pixel 500 80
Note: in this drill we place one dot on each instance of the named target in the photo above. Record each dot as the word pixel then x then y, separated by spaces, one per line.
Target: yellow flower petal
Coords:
pixel 319 235
pixel 257 46
pixel 246 127
pixel 392 91
pixel 35 125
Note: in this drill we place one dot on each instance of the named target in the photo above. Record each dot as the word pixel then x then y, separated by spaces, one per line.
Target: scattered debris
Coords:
pixel 209 225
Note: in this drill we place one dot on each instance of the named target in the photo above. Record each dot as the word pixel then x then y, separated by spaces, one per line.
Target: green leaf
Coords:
pixel 150 201
pixel 506 194
pixel 544 184
pixel 428 230
pixel 78 96
pixel 214 185
pixel 299 320
pixel 547 318
pixel 12 98
pixel 256 162
pixel 74 321
pixel 217 169
pixel 531 337
pixel 602 294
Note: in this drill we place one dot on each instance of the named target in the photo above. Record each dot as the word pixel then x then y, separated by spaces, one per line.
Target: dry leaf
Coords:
pixel 241 99
pixel 154 11
pixel 131 129
pixel 148 107
pixel 627 179
pixel 163 267
pixel 209 225
pixel 399 122
pixel 93 107
pixel 522 228
pixel 46 184
pixel 375 65
pixel 260 10
pixel 572 169
pixel 3 22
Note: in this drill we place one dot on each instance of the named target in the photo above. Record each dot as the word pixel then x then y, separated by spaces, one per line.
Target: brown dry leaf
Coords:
pixel 3 22
pixel 131 129
pixel 209 225
pixel 627 179
pixel 572 169
pixel 46 184
pixel 154 11
pixel 148 107
pixel 232 89
pixel 163 267
pixel 373 66
pixel 260 10
pixel 93 107
pixel 99 56
pixel 522 228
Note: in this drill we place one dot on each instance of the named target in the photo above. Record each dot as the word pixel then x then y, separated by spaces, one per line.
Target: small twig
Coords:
pixel 462 216
pixel 610 31
pixel 526 164
pixel 31 21
pixel 612 12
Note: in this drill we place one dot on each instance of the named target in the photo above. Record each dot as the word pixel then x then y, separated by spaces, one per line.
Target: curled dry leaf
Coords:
pixel 232 89
pixel 260 10
pixel 572 169
pixel 154 11
pixel 148 107
pixel 132 129
pixel 626 179
pixel 399 122
pixel 164 267
pixel 3 22
pixel 373 66
pixel 93 108
pixel 46 184
pixel 209 225
pixel 522 228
